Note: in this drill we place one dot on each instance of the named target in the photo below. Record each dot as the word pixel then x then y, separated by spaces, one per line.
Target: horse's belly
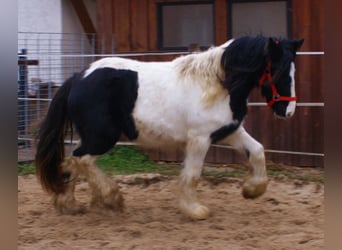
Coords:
pixel 160 132
pixel 165 127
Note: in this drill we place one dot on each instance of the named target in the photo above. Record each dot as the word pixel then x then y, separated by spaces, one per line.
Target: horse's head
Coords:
pixel 278 80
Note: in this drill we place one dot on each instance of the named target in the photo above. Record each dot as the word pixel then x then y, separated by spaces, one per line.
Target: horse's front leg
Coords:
pixel 196 150
pixel 256 183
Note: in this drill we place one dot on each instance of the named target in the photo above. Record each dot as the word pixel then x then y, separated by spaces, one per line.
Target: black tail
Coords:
pixel 50 148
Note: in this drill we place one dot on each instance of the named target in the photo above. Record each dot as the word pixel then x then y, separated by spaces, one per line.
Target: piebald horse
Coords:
pixel 190 102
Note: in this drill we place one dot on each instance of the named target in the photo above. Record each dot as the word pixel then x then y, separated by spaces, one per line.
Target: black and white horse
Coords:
pixel 189 102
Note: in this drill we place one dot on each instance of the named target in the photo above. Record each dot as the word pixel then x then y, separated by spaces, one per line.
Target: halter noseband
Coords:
pixel 275 96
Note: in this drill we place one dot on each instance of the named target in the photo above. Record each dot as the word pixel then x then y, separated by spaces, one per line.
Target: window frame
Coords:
pixel 160 24
pixel 288 14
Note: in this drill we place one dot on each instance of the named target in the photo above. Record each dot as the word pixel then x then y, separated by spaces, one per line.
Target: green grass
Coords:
pixel 25 169
pixel 297 176
pixel 124 160
pixel 130 160
pixel 121 160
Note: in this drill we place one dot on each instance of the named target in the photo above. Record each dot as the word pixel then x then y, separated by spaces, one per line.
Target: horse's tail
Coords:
pixel 50 147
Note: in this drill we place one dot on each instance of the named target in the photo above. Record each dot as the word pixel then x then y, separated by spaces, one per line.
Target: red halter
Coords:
pixel 275 96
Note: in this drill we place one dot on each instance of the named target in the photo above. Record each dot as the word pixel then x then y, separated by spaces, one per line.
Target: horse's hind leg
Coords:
pixel 65 203
pixel 255 184
pixel 105 191
pixel 196 150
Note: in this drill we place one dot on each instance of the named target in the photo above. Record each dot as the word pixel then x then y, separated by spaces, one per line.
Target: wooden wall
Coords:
pixel 308 23
pixel 134 25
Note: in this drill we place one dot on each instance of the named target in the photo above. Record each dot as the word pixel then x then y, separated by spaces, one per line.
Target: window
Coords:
pixel 184 24
pixel 269 18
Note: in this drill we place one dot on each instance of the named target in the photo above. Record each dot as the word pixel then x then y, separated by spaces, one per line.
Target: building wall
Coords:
pixel 54 16
pixel 52 27
pixel 91 6
pixel 134 23
pixel 70 20
pixel 39 16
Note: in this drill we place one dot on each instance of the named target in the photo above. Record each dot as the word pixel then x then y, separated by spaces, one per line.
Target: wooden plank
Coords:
pixel 139 27
pixel 307 16
pixel 296 134
pixel 83 16
pixel 308 24
pixel 307 19
pixel 220 20
pixel 152 25
pixel 122 25
pixel 22 62
pixel 104 25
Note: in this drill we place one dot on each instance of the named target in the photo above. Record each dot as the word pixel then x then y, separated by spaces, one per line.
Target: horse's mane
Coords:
pixel 201 65
pixel 205 69
pixel 244 54
pixel 242 60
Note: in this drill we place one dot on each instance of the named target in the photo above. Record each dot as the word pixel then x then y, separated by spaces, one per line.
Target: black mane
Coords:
pixel 244 61
pixel 244 54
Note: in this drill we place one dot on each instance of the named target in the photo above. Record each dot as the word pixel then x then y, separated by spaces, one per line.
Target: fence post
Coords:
pixel 22 92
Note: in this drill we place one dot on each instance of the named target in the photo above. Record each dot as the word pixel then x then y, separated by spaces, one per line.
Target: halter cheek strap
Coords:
pixel 275 96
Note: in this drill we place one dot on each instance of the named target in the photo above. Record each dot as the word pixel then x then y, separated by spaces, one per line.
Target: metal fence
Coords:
pixel 46 60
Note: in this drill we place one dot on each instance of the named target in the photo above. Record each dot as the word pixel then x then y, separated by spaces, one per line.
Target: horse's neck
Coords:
pixel 205 65
pixel 203 69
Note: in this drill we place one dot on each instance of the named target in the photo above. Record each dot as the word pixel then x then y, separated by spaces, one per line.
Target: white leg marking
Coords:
pixel 256 184
pixel 291 107
pixel 196 150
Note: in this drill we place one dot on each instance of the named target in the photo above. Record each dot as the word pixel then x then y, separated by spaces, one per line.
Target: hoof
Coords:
pixel 195 211
pixel 113 201
pixel 70 207
pixel 254 188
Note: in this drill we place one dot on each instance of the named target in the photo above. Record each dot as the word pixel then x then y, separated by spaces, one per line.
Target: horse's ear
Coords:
pixel 297 44
pixel 275 51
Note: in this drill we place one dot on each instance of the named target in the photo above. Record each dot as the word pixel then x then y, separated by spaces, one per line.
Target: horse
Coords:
pixel 190 102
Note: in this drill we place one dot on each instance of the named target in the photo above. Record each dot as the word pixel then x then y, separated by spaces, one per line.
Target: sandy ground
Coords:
pixel 289 216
